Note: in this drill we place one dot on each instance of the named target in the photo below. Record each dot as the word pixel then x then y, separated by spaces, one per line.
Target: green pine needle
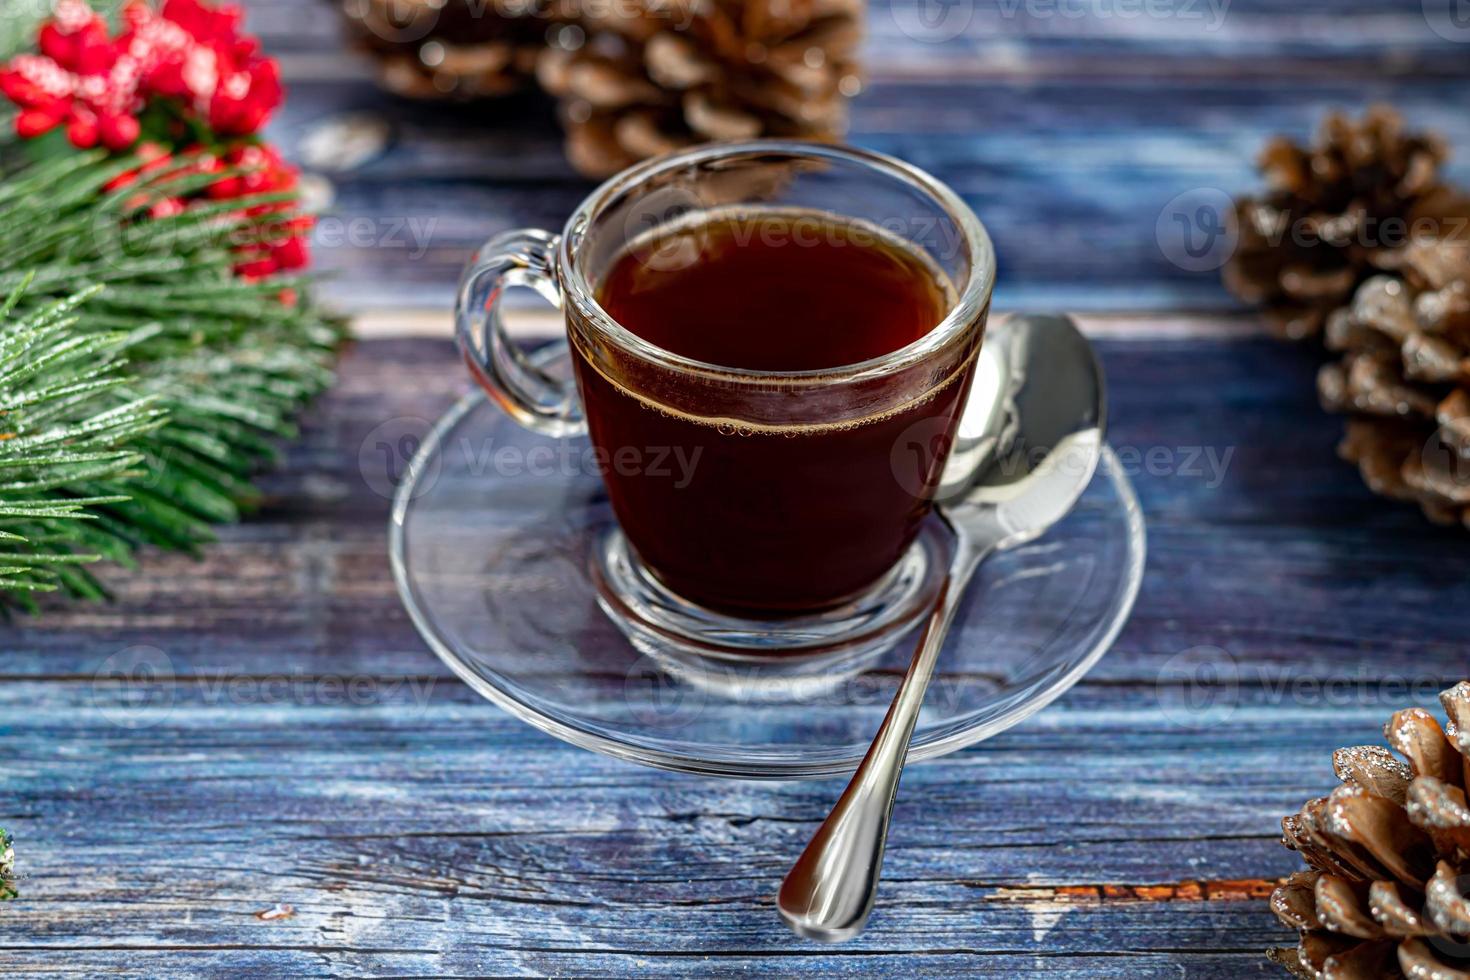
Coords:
pixel 141 382
pixel 7 857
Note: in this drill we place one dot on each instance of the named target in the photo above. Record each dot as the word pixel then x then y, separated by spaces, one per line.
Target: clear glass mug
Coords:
pixel 791 525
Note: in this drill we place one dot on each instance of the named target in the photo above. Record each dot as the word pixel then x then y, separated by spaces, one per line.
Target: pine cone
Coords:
pixel 447 49
pixel 1405 377
pixel 1309 241
pixel 681 72
pixel 1388 890
pixel 1358 242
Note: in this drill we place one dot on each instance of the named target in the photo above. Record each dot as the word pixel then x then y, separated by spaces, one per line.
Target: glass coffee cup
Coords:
pixel 769 516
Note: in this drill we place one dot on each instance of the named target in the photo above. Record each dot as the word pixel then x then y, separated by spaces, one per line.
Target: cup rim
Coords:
pixel 973 299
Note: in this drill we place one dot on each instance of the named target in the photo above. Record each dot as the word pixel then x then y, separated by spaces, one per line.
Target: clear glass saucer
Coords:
pixel 492 538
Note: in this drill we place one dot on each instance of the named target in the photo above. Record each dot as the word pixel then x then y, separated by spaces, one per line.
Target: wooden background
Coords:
pixel 313 794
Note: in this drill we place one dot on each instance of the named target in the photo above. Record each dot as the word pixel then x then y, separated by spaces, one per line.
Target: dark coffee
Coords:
pixel 762 518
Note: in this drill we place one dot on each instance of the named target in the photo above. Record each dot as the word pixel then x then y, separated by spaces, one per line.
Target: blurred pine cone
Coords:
pixel 1359 243
pixel 448 49
pixel 1388 890
pixel 677 72
pixel 1307 243
pixel 1405 378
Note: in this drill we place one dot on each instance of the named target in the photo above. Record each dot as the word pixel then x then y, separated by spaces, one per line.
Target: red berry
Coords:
pixel 258 269
pixel 167 208
pixel 291 254
pixel 82 130
pixel 118 132
pixel 35 122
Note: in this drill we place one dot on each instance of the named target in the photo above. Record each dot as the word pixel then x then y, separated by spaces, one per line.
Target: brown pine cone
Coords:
pixel 679 72
pixel 1387 893
pixel 1309 241
pixel 447 49
pixel 1405 377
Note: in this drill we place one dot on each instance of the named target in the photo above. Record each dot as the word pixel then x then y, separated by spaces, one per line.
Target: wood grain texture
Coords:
pixel 309 752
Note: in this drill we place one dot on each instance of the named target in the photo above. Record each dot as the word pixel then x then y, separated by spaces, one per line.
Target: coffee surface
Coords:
pixel 775 291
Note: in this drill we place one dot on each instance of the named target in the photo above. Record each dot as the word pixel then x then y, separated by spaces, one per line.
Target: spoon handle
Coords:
pixel 828 894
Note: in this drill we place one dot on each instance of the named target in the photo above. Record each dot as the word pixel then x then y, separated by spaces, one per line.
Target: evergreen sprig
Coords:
pixel 62 424
pixel 141 382
pixel 7 867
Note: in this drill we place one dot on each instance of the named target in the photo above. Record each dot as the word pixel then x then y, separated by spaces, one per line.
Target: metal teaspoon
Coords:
pixel 1020 474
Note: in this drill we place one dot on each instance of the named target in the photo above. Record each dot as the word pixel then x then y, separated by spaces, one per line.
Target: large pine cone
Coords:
pixel 448 49
pixel 1357 235
pixel 1388 890
pixel 1405 377
pixel 680 72
pixel 1309 241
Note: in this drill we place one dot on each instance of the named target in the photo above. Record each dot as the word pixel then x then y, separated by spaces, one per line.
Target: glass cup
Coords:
pixel 769 519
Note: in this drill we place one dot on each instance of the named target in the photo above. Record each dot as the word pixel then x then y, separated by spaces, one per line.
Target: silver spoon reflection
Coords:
pixel 1014 472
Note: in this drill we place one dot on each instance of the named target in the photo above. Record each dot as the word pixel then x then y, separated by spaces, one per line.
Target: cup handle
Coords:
pixel 515 379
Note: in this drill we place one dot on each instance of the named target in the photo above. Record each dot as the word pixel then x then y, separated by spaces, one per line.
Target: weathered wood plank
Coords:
pixel 403 844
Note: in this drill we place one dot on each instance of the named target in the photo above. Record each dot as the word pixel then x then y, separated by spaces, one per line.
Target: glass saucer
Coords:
pixel 492 540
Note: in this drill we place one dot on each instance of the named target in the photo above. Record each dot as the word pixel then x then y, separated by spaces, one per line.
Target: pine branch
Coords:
pixel 139 417
pixel 63 420
pixel 7 867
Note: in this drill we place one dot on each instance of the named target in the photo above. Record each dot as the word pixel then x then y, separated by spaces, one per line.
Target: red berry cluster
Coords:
pixel 273 240
pixel 187 55
pixel 189 63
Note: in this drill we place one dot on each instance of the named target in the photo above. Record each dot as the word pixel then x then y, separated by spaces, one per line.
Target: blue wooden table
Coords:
pixel 309 792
